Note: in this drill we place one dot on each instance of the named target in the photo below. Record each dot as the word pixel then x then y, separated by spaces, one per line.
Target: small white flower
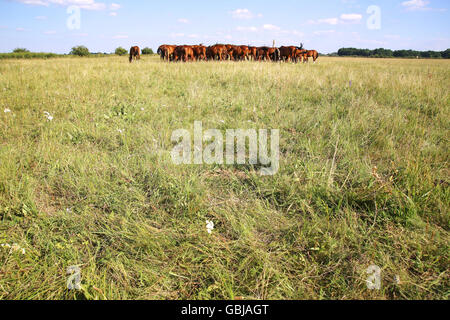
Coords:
pixel 222 121
pixel 48 116
pixel 209 226
pixel 23 251
pixel 69 210
pixel 142 109
pixel 397 280
pixel 120 130
pixel 7 110
pixel 189 107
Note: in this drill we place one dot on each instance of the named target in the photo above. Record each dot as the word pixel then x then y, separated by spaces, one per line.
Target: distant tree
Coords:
pixel 20 50
pixel 446 54
pixel 147 51
pixel 121 51
pixel 80 51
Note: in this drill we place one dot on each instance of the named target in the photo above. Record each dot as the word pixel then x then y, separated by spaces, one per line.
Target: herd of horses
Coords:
pixel 222 52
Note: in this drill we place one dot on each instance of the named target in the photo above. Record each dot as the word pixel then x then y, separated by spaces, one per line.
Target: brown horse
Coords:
pixel 253 53
pixel 299 55
pixel 199 52
pixel 218 51
pixel 287 53
pixel 184 53
pixel 135 53
pixel 268 54
pixel 310 54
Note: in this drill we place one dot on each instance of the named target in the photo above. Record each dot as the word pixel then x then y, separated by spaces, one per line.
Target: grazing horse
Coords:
pixel 299 55
pixel 310 54
pixel 218 51
pixel 184 53
pixel 253 53
pixel 245 53
pixel 230 51
pixel 135 53
pixel 199 52
pixel 287 53
pixel 268 54
pixel 166 52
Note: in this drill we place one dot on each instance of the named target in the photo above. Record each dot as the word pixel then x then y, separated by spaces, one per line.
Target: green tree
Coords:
pixel 20 50
pixel 446 54
pixel 80 51
pixel 147 51
pixel 121 51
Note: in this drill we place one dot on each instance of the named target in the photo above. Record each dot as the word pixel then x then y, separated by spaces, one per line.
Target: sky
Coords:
pixel 325 25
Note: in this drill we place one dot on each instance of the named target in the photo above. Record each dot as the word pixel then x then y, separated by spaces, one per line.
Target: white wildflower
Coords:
pixel 120 130
pixel 7 110
pixel 209 226
pixel 48 116
pixel 142 109
pixel 397 280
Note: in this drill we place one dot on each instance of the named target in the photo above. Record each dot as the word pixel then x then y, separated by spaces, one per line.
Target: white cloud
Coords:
pixel 114 6
pixel 351 17
pixel 343 19
pixel 113 14
pixel 41 18
pixel 83 4
pixel 419 5
pixel 271 27
pixel 244 14
pixel 415 4
pixel 331 21
pixel 183 20
pixel 50 32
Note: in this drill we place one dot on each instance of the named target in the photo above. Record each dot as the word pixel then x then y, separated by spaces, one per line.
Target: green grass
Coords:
pixel 363 180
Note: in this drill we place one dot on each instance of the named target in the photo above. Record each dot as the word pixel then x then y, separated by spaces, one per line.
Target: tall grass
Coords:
pixel 363 180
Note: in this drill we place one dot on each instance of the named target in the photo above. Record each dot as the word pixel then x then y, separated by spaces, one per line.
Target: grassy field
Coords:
pixel 363 180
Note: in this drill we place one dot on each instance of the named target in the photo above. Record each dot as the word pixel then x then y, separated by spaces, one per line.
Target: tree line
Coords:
pixel 387 53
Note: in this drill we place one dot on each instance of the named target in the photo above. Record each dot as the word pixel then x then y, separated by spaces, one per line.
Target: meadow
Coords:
pixel 87 180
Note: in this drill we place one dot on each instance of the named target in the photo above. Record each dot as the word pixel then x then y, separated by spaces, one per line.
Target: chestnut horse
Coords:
pixel 199 52
pixel 184 54
pixel 217 51
pixel 135 53
pixel 310 54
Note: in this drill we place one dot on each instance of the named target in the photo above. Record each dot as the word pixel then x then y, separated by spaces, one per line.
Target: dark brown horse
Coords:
pixel 135 53
pixel 268 54
pixel 184 53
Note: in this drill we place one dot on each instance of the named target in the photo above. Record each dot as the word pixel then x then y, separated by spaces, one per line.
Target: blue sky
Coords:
pixel 325 25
